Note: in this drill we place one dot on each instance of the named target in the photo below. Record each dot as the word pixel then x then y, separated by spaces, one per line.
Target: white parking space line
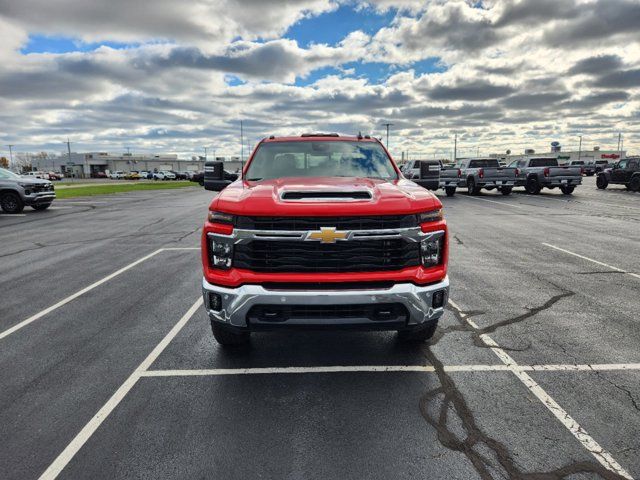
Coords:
pixel 79 293
pixel 81 438
pixel 212 372
pixel 13 214
pixel 590 260
pixel 493 201
pixel 587 441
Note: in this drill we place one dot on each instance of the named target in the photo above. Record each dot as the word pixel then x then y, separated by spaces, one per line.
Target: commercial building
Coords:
pixel 88 164
pixel 587 156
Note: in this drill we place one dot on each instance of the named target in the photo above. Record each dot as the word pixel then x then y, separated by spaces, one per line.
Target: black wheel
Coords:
pixel 634 184
pixel 471 187
pixel 418 334
pixel 568 190
pixel 228 337
pixel 506 190
pixel 532 186
pixel 450 191
pixel 10 202
pixel 41 206
pixel 601 182
pixel 590 174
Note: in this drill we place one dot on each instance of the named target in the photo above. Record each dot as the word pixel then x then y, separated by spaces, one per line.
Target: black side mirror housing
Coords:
pixel 214 176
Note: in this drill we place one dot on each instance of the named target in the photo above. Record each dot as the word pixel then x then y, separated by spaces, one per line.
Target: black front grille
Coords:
pixel 281 313
pixel 314 223
pixel 42 188
pixel 345 256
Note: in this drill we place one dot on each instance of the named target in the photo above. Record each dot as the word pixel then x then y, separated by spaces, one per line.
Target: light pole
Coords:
pixel 10 155
pixel 387 125
pixel 580 148
pixel 205 154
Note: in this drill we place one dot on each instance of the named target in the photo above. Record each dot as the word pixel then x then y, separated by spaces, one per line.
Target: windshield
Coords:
pixel 4 173
pixel 320 159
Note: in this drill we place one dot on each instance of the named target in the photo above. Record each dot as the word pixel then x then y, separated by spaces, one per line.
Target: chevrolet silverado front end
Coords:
pixel 324 232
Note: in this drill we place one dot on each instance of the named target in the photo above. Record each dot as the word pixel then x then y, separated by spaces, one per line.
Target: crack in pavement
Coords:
pixel 476 443
pixel 477 341
pixel 460 242
pixel 501 463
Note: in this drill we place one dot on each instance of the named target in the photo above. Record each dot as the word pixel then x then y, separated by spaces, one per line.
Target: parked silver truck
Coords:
pixel 479 173
pixel 17 191
pixel 534 174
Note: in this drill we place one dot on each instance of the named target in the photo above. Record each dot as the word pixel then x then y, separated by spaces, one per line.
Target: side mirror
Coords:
pixel 214 176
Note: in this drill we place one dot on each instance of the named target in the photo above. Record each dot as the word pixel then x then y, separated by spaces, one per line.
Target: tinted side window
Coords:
pixel 622 164
pixel 633 164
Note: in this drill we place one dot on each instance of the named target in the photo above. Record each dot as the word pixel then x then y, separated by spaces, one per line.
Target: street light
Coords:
pixel 580 148
pixel 387 125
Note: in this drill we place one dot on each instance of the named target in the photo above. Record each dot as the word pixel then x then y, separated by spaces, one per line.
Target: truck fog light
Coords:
pixel 215 302
pixel 437 300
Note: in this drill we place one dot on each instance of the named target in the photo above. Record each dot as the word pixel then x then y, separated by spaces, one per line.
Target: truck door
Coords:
pixel 618 172
pixel 632 167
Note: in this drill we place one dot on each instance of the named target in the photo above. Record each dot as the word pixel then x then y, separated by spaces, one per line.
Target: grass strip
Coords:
pixel 102 189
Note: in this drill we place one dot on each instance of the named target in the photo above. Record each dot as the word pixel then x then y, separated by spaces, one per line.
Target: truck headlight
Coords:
pixel 431 249
pixel 432 216
pixel 221 252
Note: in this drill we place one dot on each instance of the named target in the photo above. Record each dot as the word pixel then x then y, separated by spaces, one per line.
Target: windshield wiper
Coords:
pixel 254 179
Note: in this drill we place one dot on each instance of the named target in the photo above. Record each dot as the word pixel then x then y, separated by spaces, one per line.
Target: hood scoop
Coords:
pixel 326 196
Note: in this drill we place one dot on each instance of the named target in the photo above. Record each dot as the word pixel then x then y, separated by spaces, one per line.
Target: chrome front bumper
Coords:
pixel 236 302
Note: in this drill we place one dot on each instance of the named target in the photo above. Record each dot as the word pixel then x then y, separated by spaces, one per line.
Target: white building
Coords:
pixel 587 156
pixel 85 165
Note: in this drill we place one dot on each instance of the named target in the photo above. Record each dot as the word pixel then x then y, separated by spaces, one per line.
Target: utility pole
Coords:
pixel 619 138
pixel 580 147
pixel 455 148
pixel 10 154
pixel 387 125
pixel 69 152
pixel 478 151
pixel 128 151
pixel 205 154
pixel 241 149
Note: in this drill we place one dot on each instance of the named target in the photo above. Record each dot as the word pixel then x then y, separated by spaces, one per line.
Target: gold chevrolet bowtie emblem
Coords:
pixel 327 235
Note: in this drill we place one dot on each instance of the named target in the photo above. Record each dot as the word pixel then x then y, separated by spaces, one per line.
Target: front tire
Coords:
pixel 601 182
pixel 634 184
pixel 42 206
pixel 10 202
pixel 567 190
pixel 506 190
pixel 450 191
pixel 533 186
pixel 227 337
pixel 418 334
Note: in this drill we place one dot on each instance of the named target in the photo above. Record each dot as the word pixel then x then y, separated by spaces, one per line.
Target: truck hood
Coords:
pixel 307 197
pixel 33 181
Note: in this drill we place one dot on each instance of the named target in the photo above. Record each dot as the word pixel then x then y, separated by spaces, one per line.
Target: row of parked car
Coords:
pixel 534 174
pixel 144 175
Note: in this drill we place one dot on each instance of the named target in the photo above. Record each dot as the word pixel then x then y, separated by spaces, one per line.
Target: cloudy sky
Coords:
pixel 176 75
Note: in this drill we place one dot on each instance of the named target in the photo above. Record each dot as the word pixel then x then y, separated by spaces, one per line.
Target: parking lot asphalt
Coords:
pixel 108 368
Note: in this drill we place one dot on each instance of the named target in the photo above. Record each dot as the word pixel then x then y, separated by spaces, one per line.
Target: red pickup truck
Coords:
pixel 323 231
